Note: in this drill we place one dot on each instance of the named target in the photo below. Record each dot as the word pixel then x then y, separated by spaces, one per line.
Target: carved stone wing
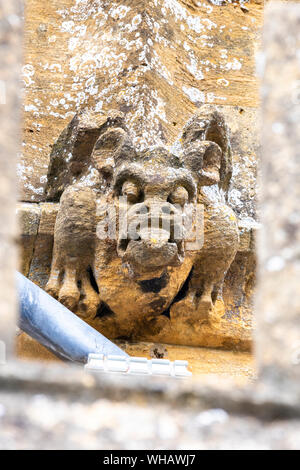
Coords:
pixel 71 155
pixel 209 126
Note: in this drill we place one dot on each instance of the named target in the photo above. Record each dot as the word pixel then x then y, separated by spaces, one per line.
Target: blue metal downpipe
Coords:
pixel 55 327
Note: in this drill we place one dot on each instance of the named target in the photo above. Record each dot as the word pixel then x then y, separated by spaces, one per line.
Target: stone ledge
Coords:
pixel 262 400
pixel 28 218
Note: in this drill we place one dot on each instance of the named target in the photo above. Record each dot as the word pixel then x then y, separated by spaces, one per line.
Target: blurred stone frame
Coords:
pixel 276 393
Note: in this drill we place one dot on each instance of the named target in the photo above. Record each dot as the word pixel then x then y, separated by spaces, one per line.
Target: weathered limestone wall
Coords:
pixel 278 304
pixel 10 53
pixel 158 61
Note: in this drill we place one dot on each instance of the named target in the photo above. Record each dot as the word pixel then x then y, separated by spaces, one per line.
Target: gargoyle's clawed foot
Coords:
pixel 89 299
pixel 183 309
pixel 69 293
pixel 204 305
pixel 53 284
pixel 192 309
pixel 74 291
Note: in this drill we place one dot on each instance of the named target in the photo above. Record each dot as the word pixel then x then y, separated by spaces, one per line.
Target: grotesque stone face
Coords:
pixel 142 277
pixel 157 190
pixel 154 189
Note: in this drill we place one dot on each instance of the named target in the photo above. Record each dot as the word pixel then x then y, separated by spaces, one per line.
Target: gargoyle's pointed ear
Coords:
pixel 113 145
pixel 203 158
pixel 206 144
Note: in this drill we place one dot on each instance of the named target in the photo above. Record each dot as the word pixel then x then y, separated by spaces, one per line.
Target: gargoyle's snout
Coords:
pixel 154 236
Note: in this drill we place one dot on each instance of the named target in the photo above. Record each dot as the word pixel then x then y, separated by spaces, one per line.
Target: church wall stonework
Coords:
pixel 156 61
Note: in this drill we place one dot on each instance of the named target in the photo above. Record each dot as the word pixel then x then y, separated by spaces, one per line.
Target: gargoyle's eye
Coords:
pixel 179 196
pixel 131 191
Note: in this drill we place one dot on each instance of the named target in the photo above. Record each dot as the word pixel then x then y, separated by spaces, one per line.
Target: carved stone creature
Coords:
pixel 131 283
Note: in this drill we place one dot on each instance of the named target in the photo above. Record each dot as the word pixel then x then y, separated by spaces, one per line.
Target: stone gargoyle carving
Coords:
pixel 134 283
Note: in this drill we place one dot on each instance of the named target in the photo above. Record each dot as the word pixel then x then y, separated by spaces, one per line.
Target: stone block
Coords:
pixel 28 216
pixel 42 256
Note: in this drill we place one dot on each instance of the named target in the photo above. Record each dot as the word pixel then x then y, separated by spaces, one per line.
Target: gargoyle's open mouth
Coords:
pixel 152 252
